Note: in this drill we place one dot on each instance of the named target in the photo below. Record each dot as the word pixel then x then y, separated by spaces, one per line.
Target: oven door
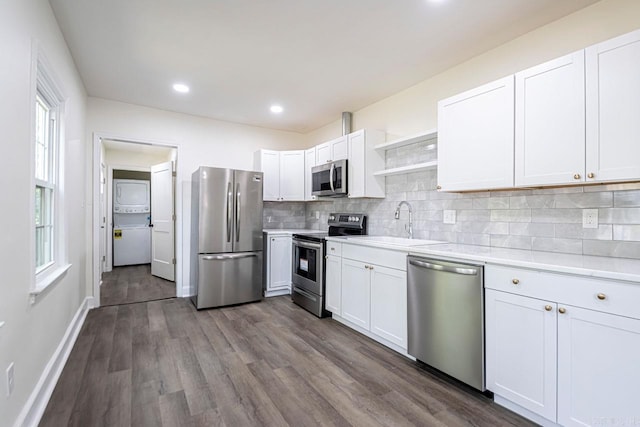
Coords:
pixel 307 266
pixel 330 179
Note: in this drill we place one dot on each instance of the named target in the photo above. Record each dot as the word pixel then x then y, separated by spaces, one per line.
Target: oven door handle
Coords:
pixel 307 245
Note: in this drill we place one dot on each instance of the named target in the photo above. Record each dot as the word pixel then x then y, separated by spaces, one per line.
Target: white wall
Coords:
pixel 415 109
pixel 200 141
pixel 32 332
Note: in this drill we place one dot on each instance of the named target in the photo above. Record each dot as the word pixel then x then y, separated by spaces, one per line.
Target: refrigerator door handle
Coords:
pixel 228 256
pixel 238 212
pixel 229 211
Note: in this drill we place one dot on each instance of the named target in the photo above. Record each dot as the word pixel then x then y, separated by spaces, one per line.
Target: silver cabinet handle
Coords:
pixel 227 257
pixel 456 270
pixel 237 212
pixel 229 211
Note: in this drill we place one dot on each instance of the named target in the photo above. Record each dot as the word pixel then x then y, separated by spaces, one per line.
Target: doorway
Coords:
pixel 137 196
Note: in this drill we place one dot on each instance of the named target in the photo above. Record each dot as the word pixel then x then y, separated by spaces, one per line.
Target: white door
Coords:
pixel 598 368
pixel 550 120
pixel 521 350
pixel 613 109
pixel 163 221
pixel 356 292
pixel 475 138
pixel 389 304
pixel 103 218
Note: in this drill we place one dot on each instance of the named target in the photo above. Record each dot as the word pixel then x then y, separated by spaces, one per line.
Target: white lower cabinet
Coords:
pixel 355 292
pixel 278 266
pixel 366 289
pixel 389 304
pixel 598 368
pixel 521 350
pixel 553 361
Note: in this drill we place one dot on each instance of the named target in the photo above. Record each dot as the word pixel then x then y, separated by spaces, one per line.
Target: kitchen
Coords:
pixel 538 219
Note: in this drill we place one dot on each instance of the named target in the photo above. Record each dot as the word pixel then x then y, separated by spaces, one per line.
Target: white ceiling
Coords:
pixel 315 58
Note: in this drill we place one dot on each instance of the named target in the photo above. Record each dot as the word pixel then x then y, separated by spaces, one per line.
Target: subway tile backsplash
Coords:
pixel 545 219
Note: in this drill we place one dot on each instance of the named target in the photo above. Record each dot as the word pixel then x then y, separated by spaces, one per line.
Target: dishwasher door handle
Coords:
pixel 448 269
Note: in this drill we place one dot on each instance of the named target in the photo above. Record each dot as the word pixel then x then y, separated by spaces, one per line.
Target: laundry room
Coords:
pixel 130 193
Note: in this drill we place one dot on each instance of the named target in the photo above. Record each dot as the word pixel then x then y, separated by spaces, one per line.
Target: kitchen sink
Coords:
pixel 398 241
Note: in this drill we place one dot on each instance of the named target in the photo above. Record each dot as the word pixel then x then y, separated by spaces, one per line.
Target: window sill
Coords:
pixel 49 279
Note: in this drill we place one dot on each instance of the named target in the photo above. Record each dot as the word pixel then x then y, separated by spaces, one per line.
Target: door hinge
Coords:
pixel 173 261
pixel 104 258
pixel 173 217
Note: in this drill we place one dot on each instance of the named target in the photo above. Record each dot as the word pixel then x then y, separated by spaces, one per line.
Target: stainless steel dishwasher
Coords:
pixel 445 304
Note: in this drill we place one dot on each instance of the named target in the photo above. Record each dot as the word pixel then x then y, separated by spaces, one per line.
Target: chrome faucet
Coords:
pixel 408 229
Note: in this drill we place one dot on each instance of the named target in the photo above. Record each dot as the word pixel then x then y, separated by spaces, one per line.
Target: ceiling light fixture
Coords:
pixel 182 88
pixel 277 109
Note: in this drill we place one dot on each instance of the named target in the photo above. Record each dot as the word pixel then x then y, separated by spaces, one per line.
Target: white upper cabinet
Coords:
pixel 336 149
pixel 363 161
pixel 309 162
pixel 283 174
pixel 613 109
pixel 550 123
pixel 475 138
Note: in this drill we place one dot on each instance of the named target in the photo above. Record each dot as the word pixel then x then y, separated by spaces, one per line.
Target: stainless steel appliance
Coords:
pixel 226 236
pixel 446 317
pixel 329 179
pixel 309 266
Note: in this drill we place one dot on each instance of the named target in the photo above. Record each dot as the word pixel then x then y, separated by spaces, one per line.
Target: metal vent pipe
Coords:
pixel 346 123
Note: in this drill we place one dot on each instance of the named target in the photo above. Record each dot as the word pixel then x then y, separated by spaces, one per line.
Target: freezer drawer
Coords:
pixel 228 278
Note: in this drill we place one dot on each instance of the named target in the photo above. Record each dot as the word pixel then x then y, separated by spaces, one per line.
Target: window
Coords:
pixel 49 254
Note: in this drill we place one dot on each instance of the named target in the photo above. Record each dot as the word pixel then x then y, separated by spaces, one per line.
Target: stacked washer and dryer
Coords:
pixel 131 222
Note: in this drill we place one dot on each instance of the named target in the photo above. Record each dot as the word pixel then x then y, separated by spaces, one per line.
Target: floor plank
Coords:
pixel 163 363
pixel 133 283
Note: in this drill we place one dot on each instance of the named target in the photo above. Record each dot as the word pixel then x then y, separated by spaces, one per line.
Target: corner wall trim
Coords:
pixel 34 408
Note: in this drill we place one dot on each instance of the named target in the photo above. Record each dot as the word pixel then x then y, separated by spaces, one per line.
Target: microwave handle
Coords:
pixel 331 177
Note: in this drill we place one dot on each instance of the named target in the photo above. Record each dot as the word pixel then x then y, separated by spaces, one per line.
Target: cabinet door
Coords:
pixel 598 368
pixel 364 160
pixel 279 262
pixel 270 165
pixel 550 120
pixel 475 138
pixel 339 148
pixel 355 292
pixel 389 304
pixel 613 109
pixel 521 351
pixel 292 175
pixel 333 280
pixel 323 153
pixel 356 164
pixel 309 162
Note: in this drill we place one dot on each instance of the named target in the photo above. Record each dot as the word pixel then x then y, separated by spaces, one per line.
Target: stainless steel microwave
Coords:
pixel 329 179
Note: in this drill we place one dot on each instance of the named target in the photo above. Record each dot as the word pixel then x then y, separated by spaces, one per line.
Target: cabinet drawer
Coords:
pixel 369 255
pixel 334 248
pixel 592 293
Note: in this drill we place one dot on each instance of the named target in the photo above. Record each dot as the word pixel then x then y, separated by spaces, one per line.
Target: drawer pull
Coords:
pixel 548 307
pixel 515 281
pixel 576 176
pixel 562 310
pixel 591 175
pixel 601 297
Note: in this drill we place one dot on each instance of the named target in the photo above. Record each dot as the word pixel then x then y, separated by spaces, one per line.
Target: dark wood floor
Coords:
pixel 163 363
pixel 125 285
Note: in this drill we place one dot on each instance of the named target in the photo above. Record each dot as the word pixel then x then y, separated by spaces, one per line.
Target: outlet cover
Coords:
pixel 10 380
pixel 449 216
pixel 590 218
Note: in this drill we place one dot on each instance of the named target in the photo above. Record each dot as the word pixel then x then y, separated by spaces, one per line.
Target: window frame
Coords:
pixel 46 86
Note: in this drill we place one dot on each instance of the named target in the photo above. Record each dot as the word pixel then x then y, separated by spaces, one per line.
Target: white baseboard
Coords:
pixel 34 408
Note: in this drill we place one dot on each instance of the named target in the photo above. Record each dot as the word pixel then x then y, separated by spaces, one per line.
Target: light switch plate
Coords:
pixel 590 218
pixel 449 216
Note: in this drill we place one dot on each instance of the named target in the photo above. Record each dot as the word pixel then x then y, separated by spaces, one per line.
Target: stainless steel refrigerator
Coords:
pixel 226 236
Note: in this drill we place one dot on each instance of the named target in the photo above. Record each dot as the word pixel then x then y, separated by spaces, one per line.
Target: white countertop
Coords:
pixel 593 266
pixel 291 231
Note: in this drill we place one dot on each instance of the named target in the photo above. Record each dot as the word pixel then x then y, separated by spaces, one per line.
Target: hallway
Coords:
pixel 130 284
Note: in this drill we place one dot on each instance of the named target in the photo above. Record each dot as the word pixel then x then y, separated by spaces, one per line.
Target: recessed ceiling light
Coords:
pixel 182 88
pixel 277 109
